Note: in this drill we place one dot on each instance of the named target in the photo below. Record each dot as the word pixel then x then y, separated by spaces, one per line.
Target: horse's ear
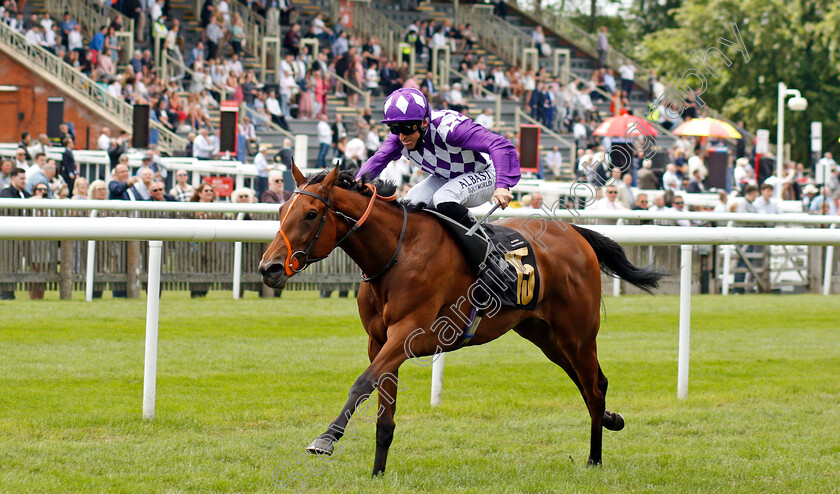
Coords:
pixel 296 173
pixel 330 179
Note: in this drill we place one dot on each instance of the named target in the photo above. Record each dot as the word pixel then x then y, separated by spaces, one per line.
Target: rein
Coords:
pixel 299 260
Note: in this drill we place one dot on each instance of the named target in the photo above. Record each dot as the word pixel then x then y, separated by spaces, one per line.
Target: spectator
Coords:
pixel 213 35
pixel 659 204
pixel 17 185
pixel 603 47
pixel 42 146
pixel 104 141
pixel 68 170
pixel 20 159
pixel 745 205
pixel 339 131
pixel 146 175
pixel 204 193
pixel 44 176
pixel 284 156
pixel 485 119
pixel 695 185
pixel 625 187
pixel 202 148
pixel 834 206
pixel 641 203
pixel 262 166
pixel 157 192
pixel 610 202
pixel 722 206
pixel 272 106
pixel 243 195
pixel 679 207
pixel 325 135
pixel 98 190
pixel 554 161
pixel 628 74
pixel 121 188
pixel 670 179
pixel 182 191
pixel 764 203
pixel 6 168
pixel 275 193
pixel 80 189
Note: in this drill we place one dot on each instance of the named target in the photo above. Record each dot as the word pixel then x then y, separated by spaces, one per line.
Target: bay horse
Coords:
pixel 417 274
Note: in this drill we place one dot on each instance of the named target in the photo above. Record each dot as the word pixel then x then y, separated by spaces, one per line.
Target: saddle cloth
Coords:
pixel 504 260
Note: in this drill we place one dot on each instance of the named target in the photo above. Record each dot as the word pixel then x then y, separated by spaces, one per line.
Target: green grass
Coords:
pixel 244 386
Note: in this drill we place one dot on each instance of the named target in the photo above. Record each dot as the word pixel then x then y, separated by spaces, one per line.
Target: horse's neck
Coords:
pixel 372 245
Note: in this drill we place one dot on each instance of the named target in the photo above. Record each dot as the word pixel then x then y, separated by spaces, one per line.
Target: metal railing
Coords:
pixel 258 37
pixel 364 93
pixel 497 98
pixel 91 18
pixel 88 92
pixel 370 22
pixel 175 69
pixel 265 121
pixel 494 33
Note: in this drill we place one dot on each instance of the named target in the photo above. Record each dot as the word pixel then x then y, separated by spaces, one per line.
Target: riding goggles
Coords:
pixel 406 128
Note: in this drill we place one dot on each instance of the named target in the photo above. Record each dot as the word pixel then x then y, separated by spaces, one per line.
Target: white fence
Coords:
pixel 156 230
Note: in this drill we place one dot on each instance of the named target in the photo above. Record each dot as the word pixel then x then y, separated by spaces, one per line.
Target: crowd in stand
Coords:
pixel 183 99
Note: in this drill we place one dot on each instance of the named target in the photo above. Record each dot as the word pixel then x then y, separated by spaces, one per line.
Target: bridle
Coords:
pixel 300 260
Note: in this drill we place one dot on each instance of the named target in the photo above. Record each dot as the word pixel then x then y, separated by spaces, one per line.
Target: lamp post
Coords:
pixel 797 103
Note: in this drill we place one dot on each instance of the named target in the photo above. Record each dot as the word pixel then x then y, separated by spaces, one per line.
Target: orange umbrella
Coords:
pixel 707 127
pixel 625 126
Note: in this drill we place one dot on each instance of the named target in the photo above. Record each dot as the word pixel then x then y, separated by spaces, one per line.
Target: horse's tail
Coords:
pixel 613 261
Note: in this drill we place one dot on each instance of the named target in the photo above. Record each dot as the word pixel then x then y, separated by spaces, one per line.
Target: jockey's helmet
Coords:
pixel 406 105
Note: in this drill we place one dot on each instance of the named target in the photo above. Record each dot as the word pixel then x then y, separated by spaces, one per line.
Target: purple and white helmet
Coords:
pixel 404 105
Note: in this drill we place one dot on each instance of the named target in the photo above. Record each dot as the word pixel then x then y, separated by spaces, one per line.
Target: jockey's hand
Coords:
pixel 502 196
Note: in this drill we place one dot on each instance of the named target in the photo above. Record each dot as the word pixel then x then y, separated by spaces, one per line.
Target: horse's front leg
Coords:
pixel 382 370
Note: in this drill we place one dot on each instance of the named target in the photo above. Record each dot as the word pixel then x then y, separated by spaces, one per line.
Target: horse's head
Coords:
pixel 307 230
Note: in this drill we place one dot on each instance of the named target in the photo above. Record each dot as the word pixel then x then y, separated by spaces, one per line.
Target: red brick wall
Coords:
pixel 30 103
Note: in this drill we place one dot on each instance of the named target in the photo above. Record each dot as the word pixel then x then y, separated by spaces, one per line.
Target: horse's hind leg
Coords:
pixel 579 359
pixel 612 421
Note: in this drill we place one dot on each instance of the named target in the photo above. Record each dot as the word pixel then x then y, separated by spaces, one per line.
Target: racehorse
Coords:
pixel 415 274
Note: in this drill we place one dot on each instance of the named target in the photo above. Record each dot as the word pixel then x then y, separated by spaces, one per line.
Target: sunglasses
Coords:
pixel 678 203
pixel 40 189
pixel 612 192
pixel 406 128
pixel 156 190
pixel 277 181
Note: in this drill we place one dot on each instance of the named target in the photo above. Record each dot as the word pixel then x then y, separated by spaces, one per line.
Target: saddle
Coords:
pixel 502 259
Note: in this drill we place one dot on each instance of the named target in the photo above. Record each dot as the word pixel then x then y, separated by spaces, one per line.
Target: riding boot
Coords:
pixel 477 248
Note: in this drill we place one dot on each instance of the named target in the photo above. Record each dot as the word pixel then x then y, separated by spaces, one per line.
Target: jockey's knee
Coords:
pixel 443 196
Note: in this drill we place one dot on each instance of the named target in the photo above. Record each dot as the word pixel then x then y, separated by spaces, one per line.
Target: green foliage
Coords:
pixel 244 386
pixel 791 42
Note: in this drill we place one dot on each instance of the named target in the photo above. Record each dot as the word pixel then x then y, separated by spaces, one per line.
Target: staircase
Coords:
pixel 92 95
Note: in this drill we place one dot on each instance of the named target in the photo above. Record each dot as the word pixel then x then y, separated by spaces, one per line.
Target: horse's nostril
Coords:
pixel 271 269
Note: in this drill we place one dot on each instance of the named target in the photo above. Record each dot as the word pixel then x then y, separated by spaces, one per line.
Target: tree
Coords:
pixel 790 41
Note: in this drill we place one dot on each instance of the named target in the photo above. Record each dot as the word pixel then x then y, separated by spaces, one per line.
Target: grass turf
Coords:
pixel 244 386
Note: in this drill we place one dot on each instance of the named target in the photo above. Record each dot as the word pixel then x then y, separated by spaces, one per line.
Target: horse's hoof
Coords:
pixel 613 421
pixel 320 446
pixel 377 473
pixel 593 463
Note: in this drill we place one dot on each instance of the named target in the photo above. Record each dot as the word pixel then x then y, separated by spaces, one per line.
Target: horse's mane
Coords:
pixel 347 181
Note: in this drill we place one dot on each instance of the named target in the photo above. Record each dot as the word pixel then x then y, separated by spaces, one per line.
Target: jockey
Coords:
pixel 468 164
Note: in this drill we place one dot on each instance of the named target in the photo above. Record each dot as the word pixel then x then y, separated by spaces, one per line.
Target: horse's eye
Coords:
pixel 310 215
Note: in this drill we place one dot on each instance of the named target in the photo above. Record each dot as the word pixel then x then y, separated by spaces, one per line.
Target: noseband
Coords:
pixel 299 260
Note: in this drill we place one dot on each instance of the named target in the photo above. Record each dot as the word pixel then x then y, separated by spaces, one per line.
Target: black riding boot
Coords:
pixel 477 247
